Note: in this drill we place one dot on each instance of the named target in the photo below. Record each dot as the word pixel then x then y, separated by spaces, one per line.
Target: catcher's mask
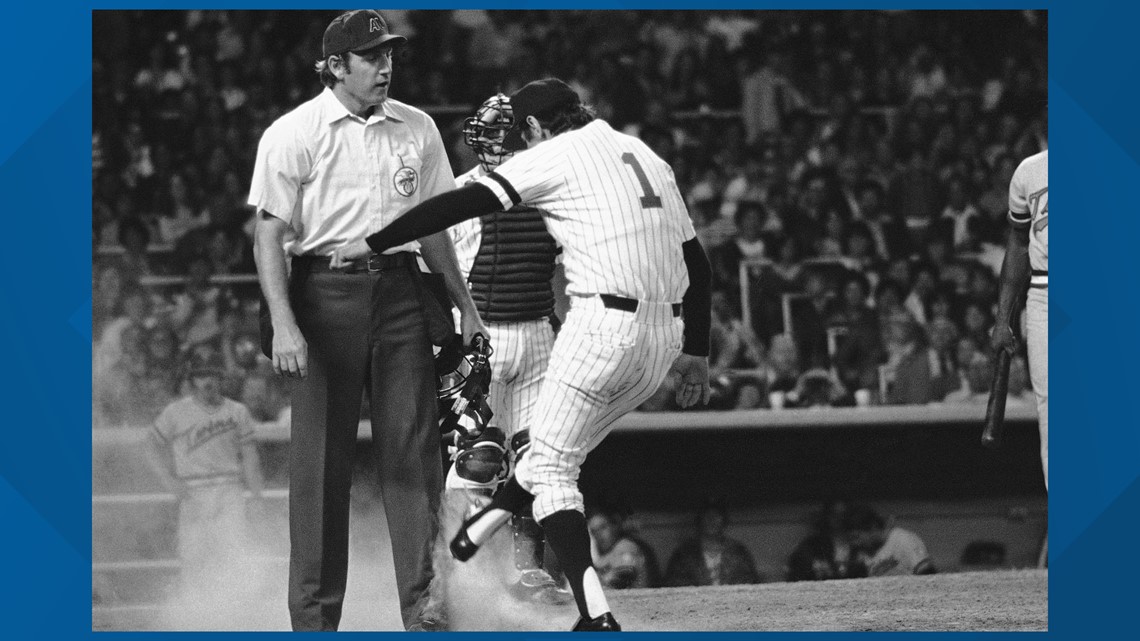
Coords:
pixel 464 376
pixel 484 132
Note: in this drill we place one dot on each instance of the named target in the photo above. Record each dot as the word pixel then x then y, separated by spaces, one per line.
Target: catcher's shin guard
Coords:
pixel 529 541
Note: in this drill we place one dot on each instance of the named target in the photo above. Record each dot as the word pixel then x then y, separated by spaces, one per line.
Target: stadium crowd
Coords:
pixel 846 171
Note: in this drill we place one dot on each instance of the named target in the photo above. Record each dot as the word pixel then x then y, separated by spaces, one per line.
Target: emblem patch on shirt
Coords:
pixel 406 180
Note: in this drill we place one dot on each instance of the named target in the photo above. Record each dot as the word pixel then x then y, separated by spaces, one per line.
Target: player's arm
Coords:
pixel 290 351
pixel 696 307
pixel 250 459
pixel 429 217
pixel 1014 282
pixel 439 255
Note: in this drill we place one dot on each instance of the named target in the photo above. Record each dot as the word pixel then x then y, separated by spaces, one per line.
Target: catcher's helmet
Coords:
pixel 484 132
pixel 464 376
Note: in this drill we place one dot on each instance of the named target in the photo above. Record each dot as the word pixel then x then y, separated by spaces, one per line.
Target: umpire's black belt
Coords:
pixel 374 263
pixel 629 304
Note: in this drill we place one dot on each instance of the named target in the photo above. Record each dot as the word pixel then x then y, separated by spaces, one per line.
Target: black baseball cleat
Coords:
pixel 604 623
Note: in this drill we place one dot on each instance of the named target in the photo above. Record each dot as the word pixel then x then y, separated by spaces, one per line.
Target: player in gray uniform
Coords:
pixel 633 267
pixel 508 259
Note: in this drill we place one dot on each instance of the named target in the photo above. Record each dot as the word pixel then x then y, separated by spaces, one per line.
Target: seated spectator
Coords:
pixel 977 321
pixel 826 552
pixel 180 210
pixel 748 244
pixel 890 233
pixel 959 210
pixel 136 312
pixel 620 557
pixel 886 551
pixel 782 369
pixel 818 388
pixel 229 250
pixel 134 237
pixel 108 282
pixel 119 394
pixel 196 309
pixel 860 349
pixel 906 374
pixel 924 281
pixel 942 334
pixel 978 372
pixel 711 557
pixel 889 303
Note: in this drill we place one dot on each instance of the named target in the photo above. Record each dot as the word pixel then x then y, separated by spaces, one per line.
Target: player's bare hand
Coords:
pixel 290 351
pixel 470 324
pixel 1002 337
pixel 693 379
pixel 349 253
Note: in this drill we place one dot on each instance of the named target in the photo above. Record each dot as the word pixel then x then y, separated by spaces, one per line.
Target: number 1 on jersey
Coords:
pixel 650 199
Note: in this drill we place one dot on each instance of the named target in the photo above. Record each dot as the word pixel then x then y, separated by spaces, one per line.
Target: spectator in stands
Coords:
pixel 229 250
pixel 179 210
pixel 621 558
pixel 734 347
pixel 859 348
pixel 889 302
pixel 134 312
pixel 711 557
pixel 924 279
pixel 977 320
pixel 915 190
pixel 119 391
pixel 906 374
pixel 976 391
pixel 107 287
pixel 748 244
pixel 782 369
pixel 942 334
pixel 826 552
pixel 808 320
pixel 134 237
pixel 886 550
pixel 196 309
pixel 818 388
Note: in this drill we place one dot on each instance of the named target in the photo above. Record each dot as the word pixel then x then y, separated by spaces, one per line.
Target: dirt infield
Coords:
pixel 1001 600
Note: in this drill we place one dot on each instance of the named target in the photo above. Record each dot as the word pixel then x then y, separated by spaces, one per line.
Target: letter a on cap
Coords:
pixel 374 25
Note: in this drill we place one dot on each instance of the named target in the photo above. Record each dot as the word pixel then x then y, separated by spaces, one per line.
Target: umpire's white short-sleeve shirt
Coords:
pixel 336 177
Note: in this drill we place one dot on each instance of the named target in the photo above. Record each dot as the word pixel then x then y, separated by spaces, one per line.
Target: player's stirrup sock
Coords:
pixel 511 498
pixel 567 535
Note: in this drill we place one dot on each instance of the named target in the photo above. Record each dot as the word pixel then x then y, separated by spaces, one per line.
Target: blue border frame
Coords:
pixel 44 180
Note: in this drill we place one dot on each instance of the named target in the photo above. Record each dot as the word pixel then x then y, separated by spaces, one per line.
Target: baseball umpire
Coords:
pixel 508 259
pixel 633 266
pixel 344 164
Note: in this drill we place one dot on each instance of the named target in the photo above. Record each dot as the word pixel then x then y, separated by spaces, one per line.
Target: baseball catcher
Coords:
pixel 508 258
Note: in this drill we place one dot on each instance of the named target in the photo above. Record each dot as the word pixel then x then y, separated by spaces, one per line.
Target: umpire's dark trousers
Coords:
pixel 365 330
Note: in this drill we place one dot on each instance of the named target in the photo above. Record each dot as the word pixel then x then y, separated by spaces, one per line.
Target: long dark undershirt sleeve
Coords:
pixel 696 305
pixel 436 214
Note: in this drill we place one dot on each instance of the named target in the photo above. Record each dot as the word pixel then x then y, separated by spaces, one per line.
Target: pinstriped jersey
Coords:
pixel 1029 205
pixel 612 204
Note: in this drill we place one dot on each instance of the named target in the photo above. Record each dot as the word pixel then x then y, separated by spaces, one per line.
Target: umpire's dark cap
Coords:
pixel 535 98
pixel 358 31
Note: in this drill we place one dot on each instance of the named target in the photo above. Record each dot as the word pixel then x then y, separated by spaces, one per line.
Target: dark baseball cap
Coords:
pixel 534 98
pixel 357 31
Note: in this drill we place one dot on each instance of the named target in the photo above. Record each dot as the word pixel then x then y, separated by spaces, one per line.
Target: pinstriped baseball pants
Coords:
pixel 604 364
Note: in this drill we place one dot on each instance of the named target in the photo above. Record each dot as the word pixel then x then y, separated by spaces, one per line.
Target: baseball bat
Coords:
pixel 995 409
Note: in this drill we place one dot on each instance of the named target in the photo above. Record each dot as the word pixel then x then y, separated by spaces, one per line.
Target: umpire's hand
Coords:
pixel 693 383
pixel 290 351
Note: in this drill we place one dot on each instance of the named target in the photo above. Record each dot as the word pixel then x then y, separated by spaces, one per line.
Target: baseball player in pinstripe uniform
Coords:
pixel 633 266
pixel 1027 262
pixel 507 258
